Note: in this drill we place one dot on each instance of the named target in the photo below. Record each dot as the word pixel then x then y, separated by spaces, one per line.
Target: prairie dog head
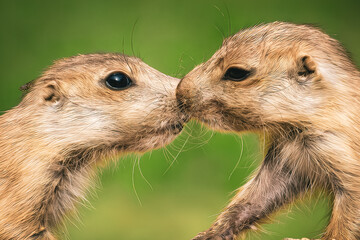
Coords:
pixel 269 74
pixel 108 100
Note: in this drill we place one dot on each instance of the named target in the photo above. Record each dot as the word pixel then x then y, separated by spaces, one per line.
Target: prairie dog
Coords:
pixel 298 87
pixel 82 110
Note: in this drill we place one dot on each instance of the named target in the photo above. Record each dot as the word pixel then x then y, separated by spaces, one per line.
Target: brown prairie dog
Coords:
pixel 296 85
pixel 81 110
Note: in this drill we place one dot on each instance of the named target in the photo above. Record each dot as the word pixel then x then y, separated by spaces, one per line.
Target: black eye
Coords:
pixel 118 81
pixel 236 74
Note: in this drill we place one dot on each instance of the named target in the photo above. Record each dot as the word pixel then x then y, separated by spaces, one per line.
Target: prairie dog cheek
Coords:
pixel 87 124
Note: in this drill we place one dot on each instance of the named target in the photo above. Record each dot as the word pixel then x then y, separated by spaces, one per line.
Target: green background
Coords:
pixel 172 36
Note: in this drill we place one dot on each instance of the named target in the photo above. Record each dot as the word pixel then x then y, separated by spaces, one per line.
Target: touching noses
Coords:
pixel 185 94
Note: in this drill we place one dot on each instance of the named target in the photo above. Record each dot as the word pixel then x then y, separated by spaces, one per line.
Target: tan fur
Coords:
pixel 69 121
pixel 303 93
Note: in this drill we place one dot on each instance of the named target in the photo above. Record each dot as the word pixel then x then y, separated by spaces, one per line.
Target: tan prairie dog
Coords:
pixel 298 87
pixel 82 110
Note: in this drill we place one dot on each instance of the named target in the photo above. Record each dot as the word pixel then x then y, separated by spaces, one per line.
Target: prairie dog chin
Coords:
pixel 298 86
pixel 78 112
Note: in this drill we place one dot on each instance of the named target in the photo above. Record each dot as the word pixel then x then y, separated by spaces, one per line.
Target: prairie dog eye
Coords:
pixel 236 74
pixel 118 81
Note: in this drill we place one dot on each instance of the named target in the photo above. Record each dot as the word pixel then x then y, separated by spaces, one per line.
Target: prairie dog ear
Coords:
pixel 306 68
pixel 51 94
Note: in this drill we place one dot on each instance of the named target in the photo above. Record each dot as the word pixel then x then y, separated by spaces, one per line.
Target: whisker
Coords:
pixel 133 183
pixel 238 161
pixel 142 175
pixel 177 155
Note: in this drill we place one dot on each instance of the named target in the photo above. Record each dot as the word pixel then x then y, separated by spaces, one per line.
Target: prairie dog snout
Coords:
pixel 81 110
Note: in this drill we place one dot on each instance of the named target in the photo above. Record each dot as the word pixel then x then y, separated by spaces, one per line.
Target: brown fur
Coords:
pixel 69 121
pixel 303 94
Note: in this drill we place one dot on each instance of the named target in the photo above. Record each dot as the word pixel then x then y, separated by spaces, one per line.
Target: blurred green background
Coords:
pixel 193 178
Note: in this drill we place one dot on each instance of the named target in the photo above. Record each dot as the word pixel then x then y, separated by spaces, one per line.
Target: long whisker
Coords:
pixel 133 183
pixel 176 156
pixel 241 154
pixel 132 37
pixel 142 175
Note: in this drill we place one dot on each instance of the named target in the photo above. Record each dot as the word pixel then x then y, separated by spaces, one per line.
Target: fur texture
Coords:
pixel 302 92
pixel 66 123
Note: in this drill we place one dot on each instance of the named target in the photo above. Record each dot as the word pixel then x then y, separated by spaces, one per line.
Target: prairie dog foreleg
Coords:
pixel 274 185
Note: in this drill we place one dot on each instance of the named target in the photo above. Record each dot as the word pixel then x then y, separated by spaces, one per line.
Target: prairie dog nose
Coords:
pixel 185 93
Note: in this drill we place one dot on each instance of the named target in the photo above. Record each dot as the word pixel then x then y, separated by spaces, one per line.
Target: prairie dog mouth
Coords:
pixel 174 127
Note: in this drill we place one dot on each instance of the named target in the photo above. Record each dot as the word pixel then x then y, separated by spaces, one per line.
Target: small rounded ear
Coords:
pixel 51 93
pixel 306 68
